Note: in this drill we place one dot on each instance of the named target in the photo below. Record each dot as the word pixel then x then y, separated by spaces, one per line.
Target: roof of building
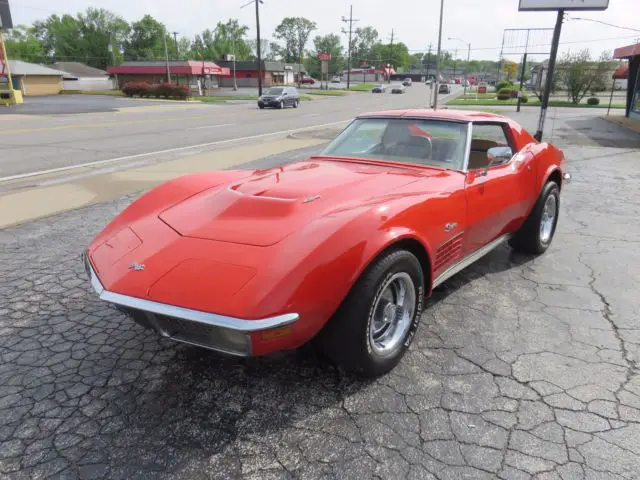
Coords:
pixel 159 67
pixel 18 67
pixel 627 52
pixel 78 69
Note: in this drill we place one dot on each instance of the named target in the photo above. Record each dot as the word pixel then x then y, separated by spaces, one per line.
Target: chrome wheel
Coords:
pixel 392 314
pixel 547 221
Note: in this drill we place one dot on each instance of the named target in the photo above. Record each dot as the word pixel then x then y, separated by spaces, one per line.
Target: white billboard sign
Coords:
pixel 541 5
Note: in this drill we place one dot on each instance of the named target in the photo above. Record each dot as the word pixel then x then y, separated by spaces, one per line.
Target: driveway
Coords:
pixel 522 367
pixel 70 104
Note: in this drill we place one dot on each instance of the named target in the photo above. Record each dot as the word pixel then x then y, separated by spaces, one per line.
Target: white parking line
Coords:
pixel 168 150
pixel 213 126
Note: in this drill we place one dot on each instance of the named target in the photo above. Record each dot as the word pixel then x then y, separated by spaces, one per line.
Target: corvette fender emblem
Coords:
pixel 136 267
pixel 450 226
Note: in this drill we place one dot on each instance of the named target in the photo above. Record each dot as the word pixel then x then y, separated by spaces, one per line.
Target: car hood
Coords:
pixel 264 208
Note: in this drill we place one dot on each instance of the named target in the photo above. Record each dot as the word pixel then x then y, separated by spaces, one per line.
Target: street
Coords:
pixel 521 368
pixel 43 142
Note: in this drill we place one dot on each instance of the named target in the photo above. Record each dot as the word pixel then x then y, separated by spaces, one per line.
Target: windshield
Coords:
pixel 429 142
pixel 274 91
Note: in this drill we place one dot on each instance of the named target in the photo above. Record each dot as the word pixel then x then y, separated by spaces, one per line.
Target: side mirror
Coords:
pixel 499 155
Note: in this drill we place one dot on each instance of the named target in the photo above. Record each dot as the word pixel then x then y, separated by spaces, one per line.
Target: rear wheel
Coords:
pixel 536 233
pixel 378 319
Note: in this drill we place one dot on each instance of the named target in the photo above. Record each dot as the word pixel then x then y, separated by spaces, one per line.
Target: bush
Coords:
pixel 524 99
pixel 504 94
pixel 132 89
pixel 593 101
pixel 504 84
pixel 162 90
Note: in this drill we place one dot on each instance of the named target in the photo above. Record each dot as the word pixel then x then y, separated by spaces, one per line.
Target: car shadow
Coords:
pixel 599 131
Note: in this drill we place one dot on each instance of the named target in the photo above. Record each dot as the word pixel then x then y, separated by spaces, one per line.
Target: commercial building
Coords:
pixel 83 77
pixel 631 53
pixel 273 73
pixel 183 72
pixel 35 80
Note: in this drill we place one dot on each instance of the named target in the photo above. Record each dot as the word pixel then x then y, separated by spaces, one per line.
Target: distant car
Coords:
pixel 398 88
pixel 308 80
pixel 336 80
pixel 428 82
pixel 279 97
pixel 444 88
pixel 378 89
pixel 407 82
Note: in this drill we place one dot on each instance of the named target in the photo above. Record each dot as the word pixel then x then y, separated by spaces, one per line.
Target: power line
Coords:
pixel 605 23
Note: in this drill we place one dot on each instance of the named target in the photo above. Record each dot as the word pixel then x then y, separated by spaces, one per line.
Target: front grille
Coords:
pixel 194 333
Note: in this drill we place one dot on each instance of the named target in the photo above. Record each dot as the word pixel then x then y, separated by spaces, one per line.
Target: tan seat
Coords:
pixel 478 154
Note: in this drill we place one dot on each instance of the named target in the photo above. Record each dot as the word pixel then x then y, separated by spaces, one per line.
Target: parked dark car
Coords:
pixel 379 89
pixel 279 97
pixel 444 88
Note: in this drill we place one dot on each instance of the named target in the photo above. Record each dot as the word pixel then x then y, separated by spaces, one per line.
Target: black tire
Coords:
pixel 295 103
pixel 346 340
pixel 528 238
pixel 281 106
pixel 261 107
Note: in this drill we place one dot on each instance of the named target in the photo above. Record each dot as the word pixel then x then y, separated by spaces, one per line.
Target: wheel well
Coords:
pixel 417 249
pixel 556 176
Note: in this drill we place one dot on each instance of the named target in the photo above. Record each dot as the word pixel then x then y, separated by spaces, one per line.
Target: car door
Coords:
pixel 497 196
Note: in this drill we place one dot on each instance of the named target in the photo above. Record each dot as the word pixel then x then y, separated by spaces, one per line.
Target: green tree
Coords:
pixel 332 44
pixel 294 32
pixel 146 41
pixel 397 54
pixel 229 38
pixel 362 41
pixel 203 46
pixel 59 37
pixel 21 44
pixel 100 28
pixel 579 73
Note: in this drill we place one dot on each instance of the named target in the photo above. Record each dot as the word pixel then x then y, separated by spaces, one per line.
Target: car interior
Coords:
pixel 478 157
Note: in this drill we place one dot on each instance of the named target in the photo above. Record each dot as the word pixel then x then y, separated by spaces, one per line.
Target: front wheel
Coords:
pixel 281 106
pixel 295 103
pixel 537 231
pixel 378 319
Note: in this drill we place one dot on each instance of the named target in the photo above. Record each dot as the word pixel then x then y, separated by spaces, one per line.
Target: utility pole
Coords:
pixel 466 76
pixel 429 60
pixel 350 21
pixel 390 57
pixel 437 86
pixel 166 56
pixel 549 82
pixel 175 40
pixel 258 45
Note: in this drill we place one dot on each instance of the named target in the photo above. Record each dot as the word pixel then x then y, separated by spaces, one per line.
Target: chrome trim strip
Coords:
pixel 467 148
pixel 469 259
pixel 210 319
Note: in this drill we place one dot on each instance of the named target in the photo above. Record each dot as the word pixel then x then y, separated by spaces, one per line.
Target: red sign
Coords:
pixel 324 56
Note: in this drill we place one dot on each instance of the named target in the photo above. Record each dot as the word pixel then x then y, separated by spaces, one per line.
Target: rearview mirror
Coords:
pixel 499 155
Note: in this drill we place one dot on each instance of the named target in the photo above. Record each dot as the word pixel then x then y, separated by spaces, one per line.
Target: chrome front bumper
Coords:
pixel 224 334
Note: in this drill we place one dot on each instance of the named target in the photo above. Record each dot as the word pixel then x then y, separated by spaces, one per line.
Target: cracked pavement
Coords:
pixel 522 368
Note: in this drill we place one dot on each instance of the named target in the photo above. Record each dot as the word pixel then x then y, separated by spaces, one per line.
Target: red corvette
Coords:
pixel 342 248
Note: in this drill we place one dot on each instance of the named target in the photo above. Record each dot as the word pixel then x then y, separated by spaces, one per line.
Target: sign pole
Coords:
pixel 437 82
pixel 549 82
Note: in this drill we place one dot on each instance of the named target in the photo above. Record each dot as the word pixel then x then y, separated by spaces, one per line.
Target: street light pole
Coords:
pixel 437 86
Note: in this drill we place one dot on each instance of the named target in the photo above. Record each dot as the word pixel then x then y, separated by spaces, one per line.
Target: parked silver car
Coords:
pixel 398 88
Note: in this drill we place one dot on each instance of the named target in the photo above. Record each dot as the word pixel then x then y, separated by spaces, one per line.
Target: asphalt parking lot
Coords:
pixel 522 367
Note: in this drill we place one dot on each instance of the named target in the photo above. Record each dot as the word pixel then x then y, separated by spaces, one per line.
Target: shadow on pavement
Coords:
pixel 600 131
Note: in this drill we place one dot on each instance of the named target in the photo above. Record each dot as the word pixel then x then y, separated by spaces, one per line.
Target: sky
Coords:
pixel 413 22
